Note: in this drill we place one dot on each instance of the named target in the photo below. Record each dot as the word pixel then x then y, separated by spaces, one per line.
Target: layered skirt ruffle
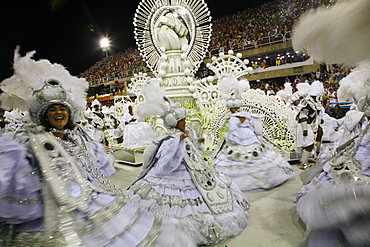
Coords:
pixel 177 196
pixel 254 167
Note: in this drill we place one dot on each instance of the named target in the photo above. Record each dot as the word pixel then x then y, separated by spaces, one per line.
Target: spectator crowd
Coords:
pixel 249 28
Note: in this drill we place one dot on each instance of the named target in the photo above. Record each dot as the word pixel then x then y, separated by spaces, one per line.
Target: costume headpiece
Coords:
pixel 356 86
pixel 232 90
pixel 228 68
pixel 36 85
pixel 303 89
pixel 316 89
pixel 294 97
pixel 157 104
pixel 282 94
pixel 95 102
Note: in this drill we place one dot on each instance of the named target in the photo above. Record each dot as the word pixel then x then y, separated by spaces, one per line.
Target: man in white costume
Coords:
pixel 309 114
pixel 97 120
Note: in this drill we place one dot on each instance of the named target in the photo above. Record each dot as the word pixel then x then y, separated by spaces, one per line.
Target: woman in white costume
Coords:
pixel 244 156
pixel 52 188
pixel 176 181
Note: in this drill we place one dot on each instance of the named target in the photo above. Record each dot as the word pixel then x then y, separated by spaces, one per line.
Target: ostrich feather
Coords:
pixel 336 34
pixel 229 84
pixel 154 103
pixel 30 75
pixel 303 88
pixel 356 85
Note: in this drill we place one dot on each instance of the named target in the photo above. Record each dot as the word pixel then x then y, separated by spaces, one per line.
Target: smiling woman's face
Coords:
pixel 57 116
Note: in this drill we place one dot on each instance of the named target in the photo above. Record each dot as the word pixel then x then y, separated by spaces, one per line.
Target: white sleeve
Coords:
pixel 170 155
pixel 257 123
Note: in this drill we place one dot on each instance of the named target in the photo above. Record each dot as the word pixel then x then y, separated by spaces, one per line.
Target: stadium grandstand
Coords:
pixel 261 34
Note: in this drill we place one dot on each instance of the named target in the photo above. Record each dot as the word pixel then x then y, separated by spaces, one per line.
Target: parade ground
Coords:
pixel 272 221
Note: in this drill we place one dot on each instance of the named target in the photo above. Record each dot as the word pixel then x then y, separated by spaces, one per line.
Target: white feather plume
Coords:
pixel 356 85
pixel 154 103
pixel 288 88
pixel 336 34
pixel 30 75
pixel 282 94
pixel 303 88
pixel 229 84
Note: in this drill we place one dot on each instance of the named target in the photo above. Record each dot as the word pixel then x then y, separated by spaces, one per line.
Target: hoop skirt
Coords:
pixel 176 181
pixel 52 194
pixel 253 164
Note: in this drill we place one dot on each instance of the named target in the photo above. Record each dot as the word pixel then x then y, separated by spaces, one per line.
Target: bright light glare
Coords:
pixel 104 43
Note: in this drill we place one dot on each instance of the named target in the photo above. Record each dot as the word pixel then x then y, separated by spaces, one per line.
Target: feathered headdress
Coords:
pixel 157 104
pixel 95 102
pixel 232 89
pixel 316 89
pixel 154 103
pixel 286 93
pixel 336 34
pixel 303 89
pixel 282 94
pixel 356 86
pixel 36 85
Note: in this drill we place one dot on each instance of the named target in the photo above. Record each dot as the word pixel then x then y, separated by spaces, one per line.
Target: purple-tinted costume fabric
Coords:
pixel 110 220
pixel 169 188
pixel 335 205
pixel 252 163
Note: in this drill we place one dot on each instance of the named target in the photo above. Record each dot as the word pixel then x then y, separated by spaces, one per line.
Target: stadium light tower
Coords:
pixel 104 44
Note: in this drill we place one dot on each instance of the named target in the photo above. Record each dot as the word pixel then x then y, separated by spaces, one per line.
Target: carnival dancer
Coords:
pixel 52 188
pixel 309 122
pixel 244 156
pixel 342 189
pixel 97 119
pixel 335 206
pixel 176 180
pixel 114 131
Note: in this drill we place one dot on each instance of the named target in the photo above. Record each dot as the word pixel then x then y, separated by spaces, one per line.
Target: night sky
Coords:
pixel 69 31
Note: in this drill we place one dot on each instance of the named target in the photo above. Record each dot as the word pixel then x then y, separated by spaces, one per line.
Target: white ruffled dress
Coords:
pixel 253 164
pixel 177 182
pixel 52 193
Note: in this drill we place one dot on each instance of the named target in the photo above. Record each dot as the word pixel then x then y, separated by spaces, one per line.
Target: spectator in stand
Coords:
pixel 332 95
pixel 297 79
pixel 270 91
pixel 337 113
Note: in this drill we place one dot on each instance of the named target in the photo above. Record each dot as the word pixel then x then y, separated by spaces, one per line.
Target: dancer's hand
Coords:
pixel 184 135
pixel 107 149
